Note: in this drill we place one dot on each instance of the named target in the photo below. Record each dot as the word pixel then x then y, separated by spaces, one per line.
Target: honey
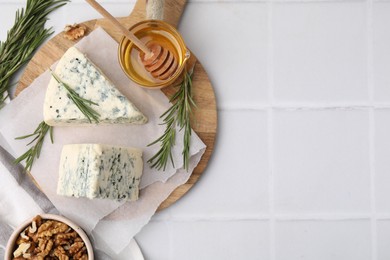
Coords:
pixel 152 31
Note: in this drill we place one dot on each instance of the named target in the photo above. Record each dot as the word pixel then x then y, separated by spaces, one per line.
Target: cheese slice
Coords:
pixel 77 71
pixel 100 171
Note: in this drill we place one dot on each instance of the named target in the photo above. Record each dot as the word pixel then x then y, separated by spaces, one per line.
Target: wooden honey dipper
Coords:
pixel 159 61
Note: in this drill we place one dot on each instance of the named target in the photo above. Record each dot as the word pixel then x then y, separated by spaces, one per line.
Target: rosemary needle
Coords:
pixel 84 105
pixel 177 115
pixel 35 151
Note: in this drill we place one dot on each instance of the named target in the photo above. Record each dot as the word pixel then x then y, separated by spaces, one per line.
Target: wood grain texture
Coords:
pixel 204 120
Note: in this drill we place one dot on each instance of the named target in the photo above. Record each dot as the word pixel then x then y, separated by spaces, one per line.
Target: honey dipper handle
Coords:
pixel 116 23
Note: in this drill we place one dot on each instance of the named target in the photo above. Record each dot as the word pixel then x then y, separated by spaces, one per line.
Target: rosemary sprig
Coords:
pixel 25 36
pixel 42 129
pixel 177 115
pixel 84 105
pixel 35 150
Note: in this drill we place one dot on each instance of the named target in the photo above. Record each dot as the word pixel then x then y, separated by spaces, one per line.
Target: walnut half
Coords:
pixel 74 32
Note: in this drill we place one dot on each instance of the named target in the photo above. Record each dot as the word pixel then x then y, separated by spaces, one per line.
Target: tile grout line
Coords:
pixel 270 122
pixel 278 217
pixel 304 106
pixel 170 234
pixel 370 84
pixel 372 184
pixel 15 2
pixel 271 182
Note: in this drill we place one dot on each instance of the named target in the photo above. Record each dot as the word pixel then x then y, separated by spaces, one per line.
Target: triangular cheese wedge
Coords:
pixel 76 70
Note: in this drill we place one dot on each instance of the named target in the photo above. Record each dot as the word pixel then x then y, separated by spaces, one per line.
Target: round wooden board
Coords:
pixel 204 120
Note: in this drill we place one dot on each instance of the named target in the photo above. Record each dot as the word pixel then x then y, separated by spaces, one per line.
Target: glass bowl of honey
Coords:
pixel 152 31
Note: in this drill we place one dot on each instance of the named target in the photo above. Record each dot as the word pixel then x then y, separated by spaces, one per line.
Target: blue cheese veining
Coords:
pixel 76 70
pixel 100 171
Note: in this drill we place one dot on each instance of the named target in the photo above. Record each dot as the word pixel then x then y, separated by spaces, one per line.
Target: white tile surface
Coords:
pixel 220 240
pixel 320 51
pixel 155 240
pixel 382 160
pixel 80 11
pixel 321 161
pixel 56 20
pixel 242 79
pixel 323 240
pixel 383 239
pixel 236 181
pixel 279 174
pixel 381 42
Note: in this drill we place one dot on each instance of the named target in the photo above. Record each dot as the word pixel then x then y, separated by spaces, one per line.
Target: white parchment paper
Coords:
pixel 25 112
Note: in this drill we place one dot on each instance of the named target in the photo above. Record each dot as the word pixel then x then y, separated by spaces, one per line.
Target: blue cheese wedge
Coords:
pixel 100 171
pixel 77 71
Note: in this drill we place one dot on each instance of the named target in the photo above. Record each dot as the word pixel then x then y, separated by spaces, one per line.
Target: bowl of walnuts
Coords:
pixel 49 236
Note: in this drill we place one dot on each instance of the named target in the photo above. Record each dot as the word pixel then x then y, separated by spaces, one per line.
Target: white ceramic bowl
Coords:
pixel 16 233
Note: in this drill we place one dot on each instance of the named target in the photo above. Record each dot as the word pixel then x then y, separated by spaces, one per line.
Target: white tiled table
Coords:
pixel 301 168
